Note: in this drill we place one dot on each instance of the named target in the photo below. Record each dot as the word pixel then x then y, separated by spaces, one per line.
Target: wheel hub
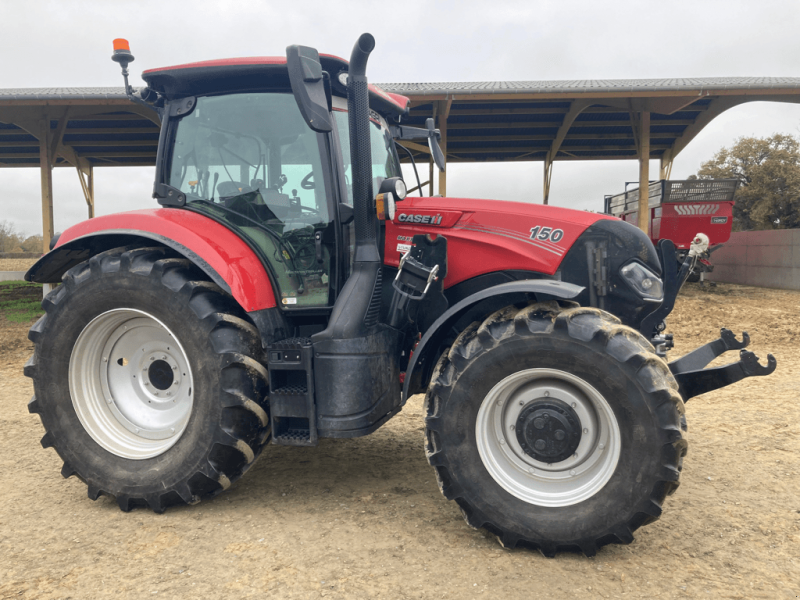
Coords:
pixel 548 430
pixel 160 374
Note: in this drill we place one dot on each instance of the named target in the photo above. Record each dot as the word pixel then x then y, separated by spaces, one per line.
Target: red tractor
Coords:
pixel 287 290
pixel 678 210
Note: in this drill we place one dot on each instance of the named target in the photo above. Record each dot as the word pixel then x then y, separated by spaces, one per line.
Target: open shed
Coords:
pixel 547 121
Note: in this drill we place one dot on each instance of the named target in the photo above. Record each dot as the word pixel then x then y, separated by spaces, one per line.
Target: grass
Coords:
pixel 20 301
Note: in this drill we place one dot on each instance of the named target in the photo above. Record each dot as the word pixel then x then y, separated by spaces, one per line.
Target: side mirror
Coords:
pixel 392 191
pixel 433 144
pixel 308 87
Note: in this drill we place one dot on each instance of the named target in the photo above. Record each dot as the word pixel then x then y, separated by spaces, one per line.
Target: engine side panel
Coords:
pixel 486 236
pixel 194 235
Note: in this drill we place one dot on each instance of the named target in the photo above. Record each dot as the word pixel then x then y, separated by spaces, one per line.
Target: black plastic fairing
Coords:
pixel 444 329
pixel 618 242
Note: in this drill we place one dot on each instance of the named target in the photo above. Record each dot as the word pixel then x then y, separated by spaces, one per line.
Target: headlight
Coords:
pixel 644 282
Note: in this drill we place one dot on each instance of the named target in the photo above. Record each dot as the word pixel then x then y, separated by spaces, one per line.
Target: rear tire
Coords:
pixel 148 380
pixel 605 385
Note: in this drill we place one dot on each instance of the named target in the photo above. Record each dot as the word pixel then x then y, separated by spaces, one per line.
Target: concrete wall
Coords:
pixel 761 258
pixel 12 275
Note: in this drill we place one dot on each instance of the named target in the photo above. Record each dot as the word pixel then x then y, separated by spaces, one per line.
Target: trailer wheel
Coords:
pixel 148 379
pixel 555 428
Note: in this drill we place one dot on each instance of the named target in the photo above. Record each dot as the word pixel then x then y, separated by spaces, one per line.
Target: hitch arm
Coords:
pixel 699 358
pixel 694 383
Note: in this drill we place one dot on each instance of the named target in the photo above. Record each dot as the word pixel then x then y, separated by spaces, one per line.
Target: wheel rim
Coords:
pixel 562 483
pixel 131 384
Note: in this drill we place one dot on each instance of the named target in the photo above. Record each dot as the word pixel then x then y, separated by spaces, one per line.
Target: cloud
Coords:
pixel 53 43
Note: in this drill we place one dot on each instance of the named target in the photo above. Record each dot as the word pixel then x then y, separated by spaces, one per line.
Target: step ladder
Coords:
pixel 291 396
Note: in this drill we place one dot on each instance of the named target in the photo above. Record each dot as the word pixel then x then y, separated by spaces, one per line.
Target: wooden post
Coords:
pixel 89 171
pixel 644 172
pixel 443 144
pixel 45 168
pixel 548 173
pixel 430 176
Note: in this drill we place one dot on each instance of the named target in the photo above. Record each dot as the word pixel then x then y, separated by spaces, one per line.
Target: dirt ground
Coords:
pixel 364 518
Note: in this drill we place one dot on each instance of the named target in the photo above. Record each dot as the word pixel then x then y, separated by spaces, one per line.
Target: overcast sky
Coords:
pixel 67 43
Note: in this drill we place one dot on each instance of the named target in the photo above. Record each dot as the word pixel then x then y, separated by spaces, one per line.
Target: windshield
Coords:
pixel 384 159
pixel 251 160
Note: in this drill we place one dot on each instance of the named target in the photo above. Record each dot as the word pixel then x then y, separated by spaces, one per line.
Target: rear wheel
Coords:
pixel 148 379
pixel 555 428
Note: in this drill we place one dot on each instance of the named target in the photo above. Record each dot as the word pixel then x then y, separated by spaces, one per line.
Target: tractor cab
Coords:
pixel 238 150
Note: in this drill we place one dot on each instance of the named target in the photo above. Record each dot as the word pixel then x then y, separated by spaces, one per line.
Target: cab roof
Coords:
pixel 257 72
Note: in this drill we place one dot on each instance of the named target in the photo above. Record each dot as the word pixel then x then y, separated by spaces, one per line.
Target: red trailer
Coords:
pixel 679 210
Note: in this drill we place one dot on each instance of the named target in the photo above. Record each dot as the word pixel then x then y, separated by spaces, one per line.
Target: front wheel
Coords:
pixel 148 379
pixel 555 428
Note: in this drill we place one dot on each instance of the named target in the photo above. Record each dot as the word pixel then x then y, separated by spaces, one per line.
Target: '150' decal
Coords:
pixel 546 234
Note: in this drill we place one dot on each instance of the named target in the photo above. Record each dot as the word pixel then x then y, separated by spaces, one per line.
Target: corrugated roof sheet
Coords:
pixel 579 86
pixel 576 86
pixel 69 93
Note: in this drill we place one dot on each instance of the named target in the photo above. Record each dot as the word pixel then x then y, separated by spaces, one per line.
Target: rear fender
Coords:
pixel 478 305
pixel 221 254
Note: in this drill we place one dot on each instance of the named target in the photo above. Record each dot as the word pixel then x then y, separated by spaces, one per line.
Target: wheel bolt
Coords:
pixel 585 430
pixel 172 429
pixel 575 455
pixel 152 358
pixel 546 394
pixel 601 446
pixel 502 441
pixel 521 402
pixel 105 359
pixel 163 358
pixel 147 383
pixel 574 404
pixel 572 472
pixel 512 428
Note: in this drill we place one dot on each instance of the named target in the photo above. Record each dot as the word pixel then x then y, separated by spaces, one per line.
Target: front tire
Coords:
pixel 148 380
pixel 555 428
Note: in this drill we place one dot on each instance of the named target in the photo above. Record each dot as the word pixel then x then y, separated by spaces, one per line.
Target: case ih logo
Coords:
pixel 424 219
pixel 696 209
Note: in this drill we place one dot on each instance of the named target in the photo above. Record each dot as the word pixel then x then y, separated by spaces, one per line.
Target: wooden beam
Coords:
pixel 556 124
pixel 544 149
pixel 414 146
pixel 90 130
pixel 665 169
pixel 57 136
pixel 644 171
pixel 569 136
pixel 461 111
pixel 86 177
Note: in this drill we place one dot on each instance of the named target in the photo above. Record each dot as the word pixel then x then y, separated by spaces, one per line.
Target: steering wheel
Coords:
pixel 308 182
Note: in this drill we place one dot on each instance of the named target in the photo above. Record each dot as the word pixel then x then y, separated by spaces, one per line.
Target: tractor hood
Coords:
pixel 485 236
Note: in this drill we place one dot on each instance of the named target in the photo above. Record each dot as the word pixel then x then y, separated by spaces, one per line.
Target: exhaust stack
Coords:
pixel 357 308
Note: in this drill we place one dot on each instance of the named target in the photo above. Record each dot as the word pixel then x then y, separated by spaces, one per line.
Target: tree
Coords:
pixel 10 240
pixel 769 171
pixel 33 243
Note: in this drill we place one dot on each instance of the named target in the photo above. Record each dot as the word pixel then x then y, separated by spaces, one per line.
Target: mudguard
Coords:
pixel 427 351
pixel 221 254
